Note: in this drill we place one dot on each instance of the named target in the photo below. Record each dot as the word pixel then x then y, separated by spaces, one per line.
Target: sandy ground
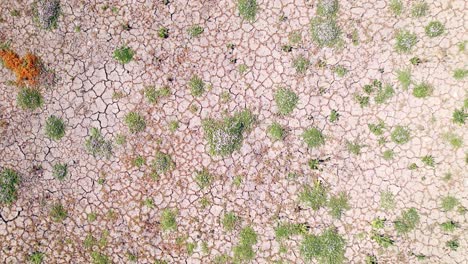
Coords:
pixel 94 90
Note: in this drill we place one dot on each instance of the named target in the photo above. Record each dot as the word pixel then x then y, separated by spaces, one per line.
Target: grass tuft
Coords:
pixel 247 9
pixel 197 86
pixel 325 32
pixel 29 98
pixel 313 137
pixel 59 171
pixel 54 128
pixel 97 145
pixel 407 221
pixel 286 100
pixel 338 204
pixel 46 13
pixel 135 122
pixel 400 135
pixel 326 248
pixel 405 41
pixel 434 29
pixel 9 182
pixel 315 196
pixel 275 131
pixel 123 54
pixel 404 77
pixel 168 220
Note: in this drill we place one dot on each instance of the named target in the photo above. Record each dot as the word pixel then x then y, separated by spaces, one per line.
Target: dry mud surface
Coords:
pixel 120 205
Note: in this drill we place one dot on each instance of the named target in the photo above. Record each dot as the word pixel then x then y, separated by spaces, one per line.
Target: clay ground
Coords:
pixel 94 90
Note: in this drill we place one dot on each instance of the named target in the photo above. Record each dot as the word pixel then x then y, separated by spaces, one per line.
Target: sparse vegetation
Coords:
pixel 396 6
pixel 325 31
pixel 459 116
pixel 226 136
pixel 301 64
pixel 286 100
pixel 54 128
pixel 154 95
pixel 405 41
pixel 29 98
pixel 326 248
pixel 419 9
pixel 340 70
pixel 286 230
pixel 387 200
pixel 36 257
pixel 434 29
pixel 377 129
pixel 163 32
pixel 448 203
pixel 197 86
pixel 135 122
pixel 354 147
pixel 400 135
pixel 460 74
pixel 46 13
pixel 58 213
pixel 382 239
pixel 123 54
pixel 327 7
pixel 407 222
pixel 315 196
pixel 9 181
pixel 168 220
pixel 428 160
pixel 230 221
pixel 313 137
pixel 243 251
pixel 97 145
pixel 276 131
pixel 338 204
pixel 452 244
pixel 195 31
pixel 404 77
pixel 203 178
pixel 59 171
pixel 162 163
pixel 449 226
pixel 334 116
pixel 247 9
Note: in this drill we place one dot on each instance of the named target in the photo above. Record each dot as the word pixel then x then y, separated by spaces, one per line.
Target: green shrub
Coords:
pixel 326 248
pixel 162 163
pixel 153 95
pixel 173 126
pixel 139 161
pixel 301 64
pixel 135 122
pixel 59 171
pixel 453 244
pixel 29 98
pixel 247 9
pixel 396 6
pixel 36 257
pixel 286 100
pixel 325 31
pixel 286 230
pixel 378 223
pixel 388 154
pixel 362 100
pixel 195 31
pixel 243 252
pixel 460 74
pixel 449 226
pixel 46 13
pixel 54 128
pixel 168 220
pixel 382 239
pixel 229 221
pixel 334 116
pixel 123 54
pixel 371 259
pixel 9 181
pixel 428 160
pixel 197 86
pixel 405 41
pixel 459 116
pixel 163 32
pixel 58 213
pixel 434 29
pixel 96 145
pixel 338 204
pixel 384 94
pixel 315 196
pixel 419 9
pixel 422 90
pixel 313 137
pixel 275 131
pixel 377 129
pixel 387 200
pixel 248 236
pixel 203 178
pixel 340 70
pixel 327 7
pixel 354 147
pixel 226 136
pixel 99 258
pixel 407 221
pixel 404 77
pixel 448 203
pixel 400 135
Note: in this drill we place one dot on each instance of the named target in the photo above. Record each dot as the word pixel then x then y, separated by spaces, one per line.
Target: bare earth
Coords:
pixel 94 90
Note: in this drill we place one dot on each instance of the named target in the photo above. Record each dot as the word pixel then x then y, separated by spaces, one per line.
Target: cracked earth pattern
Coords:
pixel 94 90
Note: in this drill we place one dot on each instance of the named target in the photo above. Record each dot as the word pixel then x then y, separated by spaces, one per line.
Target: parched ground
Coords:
pixel 120 205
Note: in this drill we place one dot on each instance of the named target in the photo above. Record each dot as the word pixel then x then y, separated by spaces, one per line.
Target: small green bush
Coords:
pixel 396 6
pixel 286 100
pixel 46 13
pixel 422 90
pixel 99 258
pixel 163 32
pixel 460 74
pixel 195 31
pixel 407 221
pixel 404 77
pixel 449 226
pixel 29 98
pixel 377 129
pixel 453 244
pixel 54 128
pixel 226 136
pixel 243 252
pixel 123 54
pixel 315 196
pixel 405 41
pixel 301 64
pixel 378 223
pixel 203 178
pixel 354 147
pixel 327 7
pixel 168 220
pixel 448 203
pixel 371 259
pixel 275 131
pixel 135 122
pixel 388 154
pixel 173 125
pixel 197 86
pixel 459 116
pixel 9 182
pixel 384 94
pixel 97 145
pixel 59 171
pixel 334 116
pixel 400 135
pixel 313 137
pixel 229 221
pixel 434 29
pixel 153 95
pixel 162 163
pixel 58 213
pixel 338 204
pixel 387 200
pixel 286 230
pixel 428 160
pixel 327 248
pixel 139 161
pixel 36 257
pixel 247 9
pixel 382 239
pixel 419 9
pixel 325 31
pixel 340 71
